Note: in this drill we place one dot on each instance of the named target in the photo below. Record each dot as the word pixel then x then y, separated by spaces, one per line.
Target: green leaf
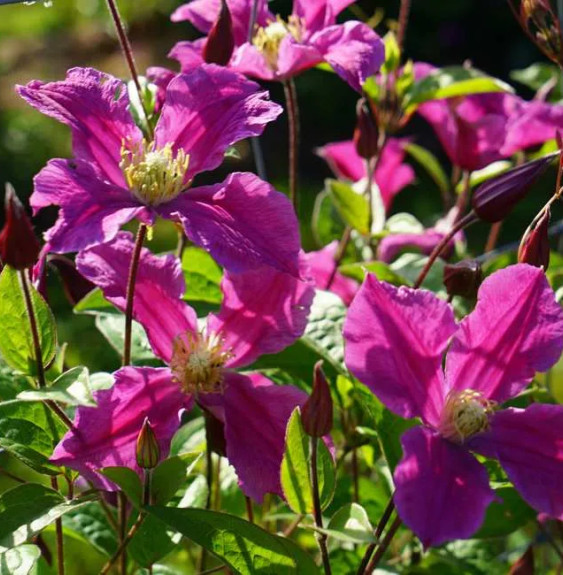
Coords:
pixel 352 207
pixel 170 475
pixel 381 270
pixel 19 560
pixel 91 523
pixel 30 431
pixel 112 328
pixel 152 541
pixel 390 428
pixel 296 468
pixel 16 343
pixel 409 266
pixel 11 382
pixel 202 276
pixel 351 525
pixel 127 480
pixel 244 547
pixel 431 164
pixel 392 53
pixel 537 76
pixel 28 509
pixel 71 388
pixel 326 223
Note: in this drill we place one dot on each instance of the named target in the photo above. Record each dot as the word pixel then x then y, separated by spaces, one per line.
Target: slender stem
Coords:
pixel 377 534
pixel 293 114
pixel 126 540
pixel 141 234
pixel 339 255
pixel 403 21
pixel 293 526
pixel 58 411
pixel 383 547
pixel 122 523
pixel 370 170
pixel 355 475
pixel 493 236
pixel 249 510
pixel 59 533
pixel 317 512
pixel 181 245
pixel 217 498
pixel 469 219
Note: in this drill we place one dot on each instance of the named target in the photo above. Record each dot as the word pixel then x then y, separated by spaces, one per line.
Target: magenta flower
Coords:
pixel 282 49
pixel 263 311
pixel 391 174
pixel 116 175
pixel 395 342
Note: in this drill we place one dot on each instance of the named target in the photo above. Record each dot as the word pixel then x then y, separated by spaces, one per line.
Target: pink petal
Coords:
pixel 318 14
pixel 243 222
pixel 248 60
pixel 209 109
pixel 106 435
pixel 393 244
pixel 353 49
pixel 92 209
pixel 263 311
pixel 295 57
pixel 322 264
pixel 344 160
pixel 515 330
pixel 391 174
pixel 157 305
pixel 188 54
pixel 256 416
pixel 442 491
pixel 529 445
pixel 95 106
pixel 395 338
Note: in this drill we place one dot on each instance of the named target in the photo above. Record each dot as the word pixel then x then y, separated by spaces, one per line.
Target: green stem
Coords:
pixel 59 534
pixel 293 115
pixel 317 512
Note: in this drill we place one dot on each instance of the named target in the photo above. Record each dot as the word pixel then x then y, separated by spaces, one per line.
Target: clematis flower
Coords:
pixel 263 311
pixel 116 175
pixel 280 49
pixel 395 342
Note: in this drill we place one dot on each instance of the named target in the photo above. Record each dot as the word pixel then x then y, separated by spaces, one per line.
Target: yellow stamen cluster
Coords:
pixel 465 414
pixel 154 175
pixel 198 362
pixel 267 39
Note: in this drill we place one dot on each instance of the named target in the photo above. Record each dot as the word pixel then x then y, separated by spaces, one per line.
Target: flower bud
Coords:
pixel 19 247
pixel 534 248
pixel 148 450
pixel 366 134
pixel 494 200
pixel 463 278
pixel 220 42
pixel 316 414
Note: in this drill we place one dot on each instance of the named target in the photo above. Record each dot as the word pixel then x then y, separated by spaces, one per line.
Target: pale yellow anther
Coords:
pixel 267 39
pixel 465 414
pixel 154 175
pixel 198 362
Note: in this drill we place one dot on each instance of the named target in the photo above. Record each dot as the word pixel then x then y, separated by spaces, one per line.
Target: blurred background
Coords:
pixel 41 41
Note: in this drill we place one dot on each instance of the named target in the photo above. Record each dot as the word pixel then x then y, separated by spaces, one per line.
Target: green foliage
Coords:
pixel 170 475
pixel 127 480
pixel 431 164
pixel 202 276
pixel 19 560
pixel 539 76
pixel 352 207
pixel 351 524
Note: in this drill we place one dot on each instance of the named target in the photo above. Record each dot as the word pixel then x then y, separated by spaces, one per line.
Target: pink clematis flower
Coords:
pixel 395 342
pixel 263 311
pixel 117 176
pixel 280 49
pixel 391 174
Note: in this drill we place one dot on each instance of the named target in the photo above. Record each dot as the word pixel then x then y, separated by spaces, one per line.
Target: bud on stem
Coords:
pixel 220 42
pixel 316 413
pixel 148 450
pixel 366 134
pixel 534 248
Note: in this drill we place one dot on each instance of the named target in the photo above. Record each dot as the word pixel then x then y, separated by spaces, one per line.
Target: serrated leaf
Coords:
pixel 244 547
pixel 127 480
pixel 170 475
pixel 16 342
pixel 19 560
pixel 431 164
pixel 352 207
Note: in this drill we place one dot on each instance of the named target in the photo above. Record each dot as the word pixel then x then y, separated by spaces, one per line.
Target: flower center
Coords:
pixel 267 39
pixel 465 414
pixel 198 362
pixel 154 175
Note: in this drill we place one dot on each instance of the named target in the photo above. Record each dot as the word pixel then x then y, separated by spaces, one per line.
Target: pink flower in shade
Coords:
pixel 281 49
pixel 391 174
pixel 263 311
pixel 116 175
pixel 395 342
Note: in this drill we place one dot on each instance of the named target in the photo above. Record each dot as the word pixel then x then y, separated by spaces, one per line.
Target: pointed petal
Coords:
pixel 243 222
pixel 92 209
pixel 95 106
pixel 395 338
pixel 442 491
pixel 353 49
pixel 159 287
pixel 248 60
pixel 256 416
pixel 515 330
pixel 106 435
pixel 294 57
pixel 263 311
pixel 188 54
pixel 391 173
pixel 344 160
pixel 318 14
pixel 209 109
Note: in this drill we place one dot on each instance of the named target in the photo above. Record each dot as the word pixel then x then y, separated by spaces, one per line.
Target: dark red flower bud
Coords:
pixel 524 565
pixel 19 247
pixel 148 450
pixel 463 278
pixel 75 285
pixel 534 248
pixel 220 41
pixel 494 200
pixel 316 414
pixel 366 134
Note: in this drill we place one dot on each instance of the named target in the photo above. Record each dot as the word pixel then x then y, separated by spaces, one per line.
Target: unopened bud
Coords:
pixel 366 134
pixel 494 200
pixel 316 413
pixel 220 42
pixel 463 278
pixel 534 248
pixel 19 247
pixel 148 450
